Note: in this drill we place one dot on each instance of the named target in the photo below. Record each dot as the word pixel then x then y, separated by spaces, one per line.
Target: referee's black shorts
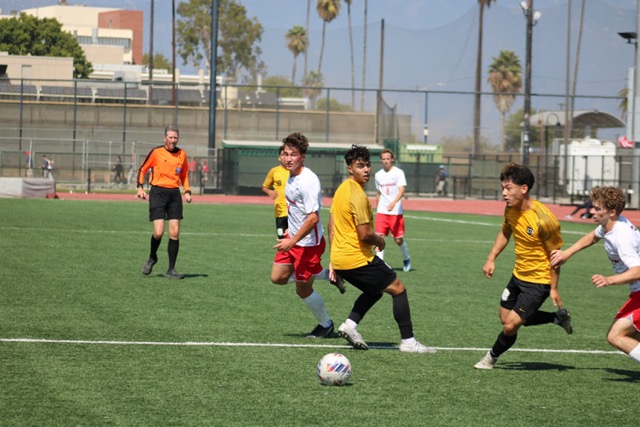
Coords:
pixel 373 278
pixel 164 203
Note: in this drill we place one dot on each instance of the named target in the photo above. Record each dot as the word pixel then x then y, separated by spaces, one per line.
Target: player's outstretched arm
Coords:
pixel 558 257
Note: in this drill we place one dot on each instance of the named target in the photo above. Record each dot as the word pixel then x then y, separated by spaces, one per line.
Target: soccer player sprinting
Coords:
pixel 390 185
pixel 536 232
pixel 622 246
pixel 301 250
pixel 352 238
pixel 169 170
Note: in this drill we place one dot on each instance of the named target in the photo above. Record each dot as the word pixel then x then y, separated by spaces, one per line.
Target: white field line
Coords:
pixel 200 233
pixel 249 344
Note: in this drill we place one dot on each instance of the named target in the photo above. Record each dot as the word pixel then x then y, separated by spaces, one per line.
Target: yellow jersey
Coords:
pixel 536 233
pixel 350 207
pixel 277 179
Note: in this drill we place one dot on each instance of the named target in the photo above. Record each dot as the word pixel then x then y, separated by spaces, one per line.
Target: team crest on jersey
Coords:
pixel 530 231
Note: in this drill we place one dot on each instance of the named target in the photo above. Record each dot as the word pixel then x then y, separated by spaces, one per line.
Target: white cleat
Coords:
pixel 486 363
pixel 416 347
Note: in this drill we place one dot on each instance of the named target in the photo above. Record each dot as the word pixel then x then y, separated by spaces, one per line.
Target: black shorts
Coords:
pixel 282 224
pixel 165 203
pixel 523 297
pixel 373 278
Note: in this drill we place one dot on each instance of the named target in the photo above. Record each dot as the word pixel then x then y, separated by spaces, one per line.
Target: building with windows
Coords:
pixel 107 35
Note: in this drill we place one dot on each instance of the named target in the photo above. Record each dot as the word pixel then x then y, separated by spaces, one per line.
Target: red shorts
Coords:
pixel 305 260
pixel 631 308
pixel 390 223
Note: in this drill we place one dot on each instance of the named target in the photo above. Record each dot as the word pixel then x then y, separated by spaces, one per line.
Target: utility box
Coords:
pixel 590 163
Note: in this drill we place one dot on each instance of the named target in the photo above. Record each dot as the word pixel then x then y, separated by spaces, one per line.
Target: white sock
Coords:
pixel 405 250
pixel 316 305
pixel 411 340
pixel 292 278
pixel 351 323
pixel 635 353
pixel 380 255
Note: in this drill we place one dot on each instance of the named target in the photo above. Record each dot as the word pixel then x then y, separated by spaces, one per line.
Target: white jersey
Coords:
pixel 388 184
pixel 622 245
pixel 304 196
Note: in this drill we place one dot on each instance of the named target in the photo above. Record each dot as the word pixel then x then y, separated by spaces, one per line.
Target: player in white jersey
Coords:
pixel 390 185
pixel 622 245
pixel 301 250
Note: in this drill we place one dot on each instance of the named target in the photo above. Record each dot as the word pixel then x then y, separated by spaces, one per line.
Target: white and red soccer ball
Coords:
pixel 334 369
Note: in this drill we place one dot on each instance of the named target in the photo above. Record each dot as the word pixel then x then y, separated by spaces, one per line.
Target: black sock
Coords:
pixel 402 314
pixel 155 244
pixel 502 344
pixel 363 303
pixel 540 318
pixel 172 249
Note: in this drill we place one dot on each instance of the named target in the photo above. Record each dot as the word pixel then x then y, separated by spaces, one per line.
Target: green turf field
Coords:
pixel 87 340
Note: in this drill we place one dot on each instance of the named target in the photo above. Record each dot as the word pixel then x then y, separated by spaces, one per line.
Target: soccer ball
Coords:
pixel 334 369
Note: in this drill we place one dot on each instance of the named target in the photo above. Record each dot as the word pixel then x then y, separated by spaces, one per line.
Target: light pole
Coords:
pixel 425 131
pixel 532 19
pixel 634 133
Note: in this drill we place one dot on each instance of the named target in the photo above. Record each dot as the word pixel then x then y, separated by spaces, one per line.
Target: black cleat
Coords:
pixel 173 274
pixel 564 320
pixel 339 284
pixel 321 332
pixel 147 268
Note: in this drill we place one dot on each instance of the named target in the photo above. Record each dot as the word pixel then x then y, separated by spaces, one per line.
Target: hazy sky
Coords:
pixel 432 44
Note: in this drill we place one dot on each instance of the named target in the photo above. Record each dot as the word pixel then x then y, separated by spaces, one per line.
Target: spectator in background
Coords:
pixel 47 167
pixel 441 181
pixel 118 171
pixel 132 170
pixel 586 205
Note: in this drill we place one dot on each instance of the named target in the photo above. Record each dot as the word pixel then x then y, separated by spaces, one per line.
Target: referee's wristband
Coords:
pixel 187 192
pixel 140 185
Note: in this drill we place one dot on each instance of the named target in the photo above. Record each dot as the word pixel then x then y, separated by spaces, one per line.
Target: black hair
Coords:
pixel 518 174
pixel 357 152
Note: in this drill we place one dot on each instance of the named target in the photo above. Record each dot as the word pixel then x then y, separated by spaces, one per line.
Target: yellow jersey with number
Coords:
pixel 350 207
pixel 277 179
pixel 536 232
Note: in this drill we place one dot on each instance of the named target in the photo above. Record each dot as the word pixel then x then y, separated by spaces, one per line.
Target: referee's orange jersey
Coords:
pixel 168 169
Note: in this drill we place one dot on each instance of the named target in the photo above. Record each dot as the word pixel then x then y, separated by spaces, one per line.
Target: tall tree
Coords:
pixel 505 77
pixel 328 10
pixel 306 52
pixel 237 42
pixel 477 107
pixel 297 42
pixel 623 106
pixel 159 61
pixel 313 83
pixel 29 35
pixel 364 54
pixel 353 67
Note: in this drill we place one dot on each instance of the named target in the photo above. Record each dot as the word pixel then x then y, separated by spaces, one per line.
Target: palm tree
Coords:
pixel 364 54
pixel 624 105
pixel 505 77
pixel 313 83
pixel 353 72
pixel 328 10
pixel 307 30
pixel 476 111
pixel 297 43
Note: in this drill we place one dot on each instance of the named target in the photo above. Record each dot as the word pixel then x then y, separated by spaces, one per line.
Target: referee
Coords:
pixel 168 166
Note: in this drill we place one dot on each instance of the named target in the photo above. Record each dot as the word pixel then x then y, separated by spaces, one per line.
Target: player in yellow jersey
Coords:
pixel 536 232
pixel 273 186
pixel 352 237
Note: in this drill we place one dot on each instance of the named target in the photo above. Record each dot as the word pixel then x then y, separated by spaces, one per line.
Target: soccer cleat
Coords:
pixel 416 347
pixel 148 266
pixel 487 362
pixel 339 284
pixel 353 336
pixel 564 320
pixel 406 265
pixel 321 332
pixel 173 274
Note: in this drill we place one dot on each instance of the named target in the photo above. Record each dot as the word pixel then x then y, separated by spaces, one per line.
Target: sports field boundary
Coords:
pixel 279 345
